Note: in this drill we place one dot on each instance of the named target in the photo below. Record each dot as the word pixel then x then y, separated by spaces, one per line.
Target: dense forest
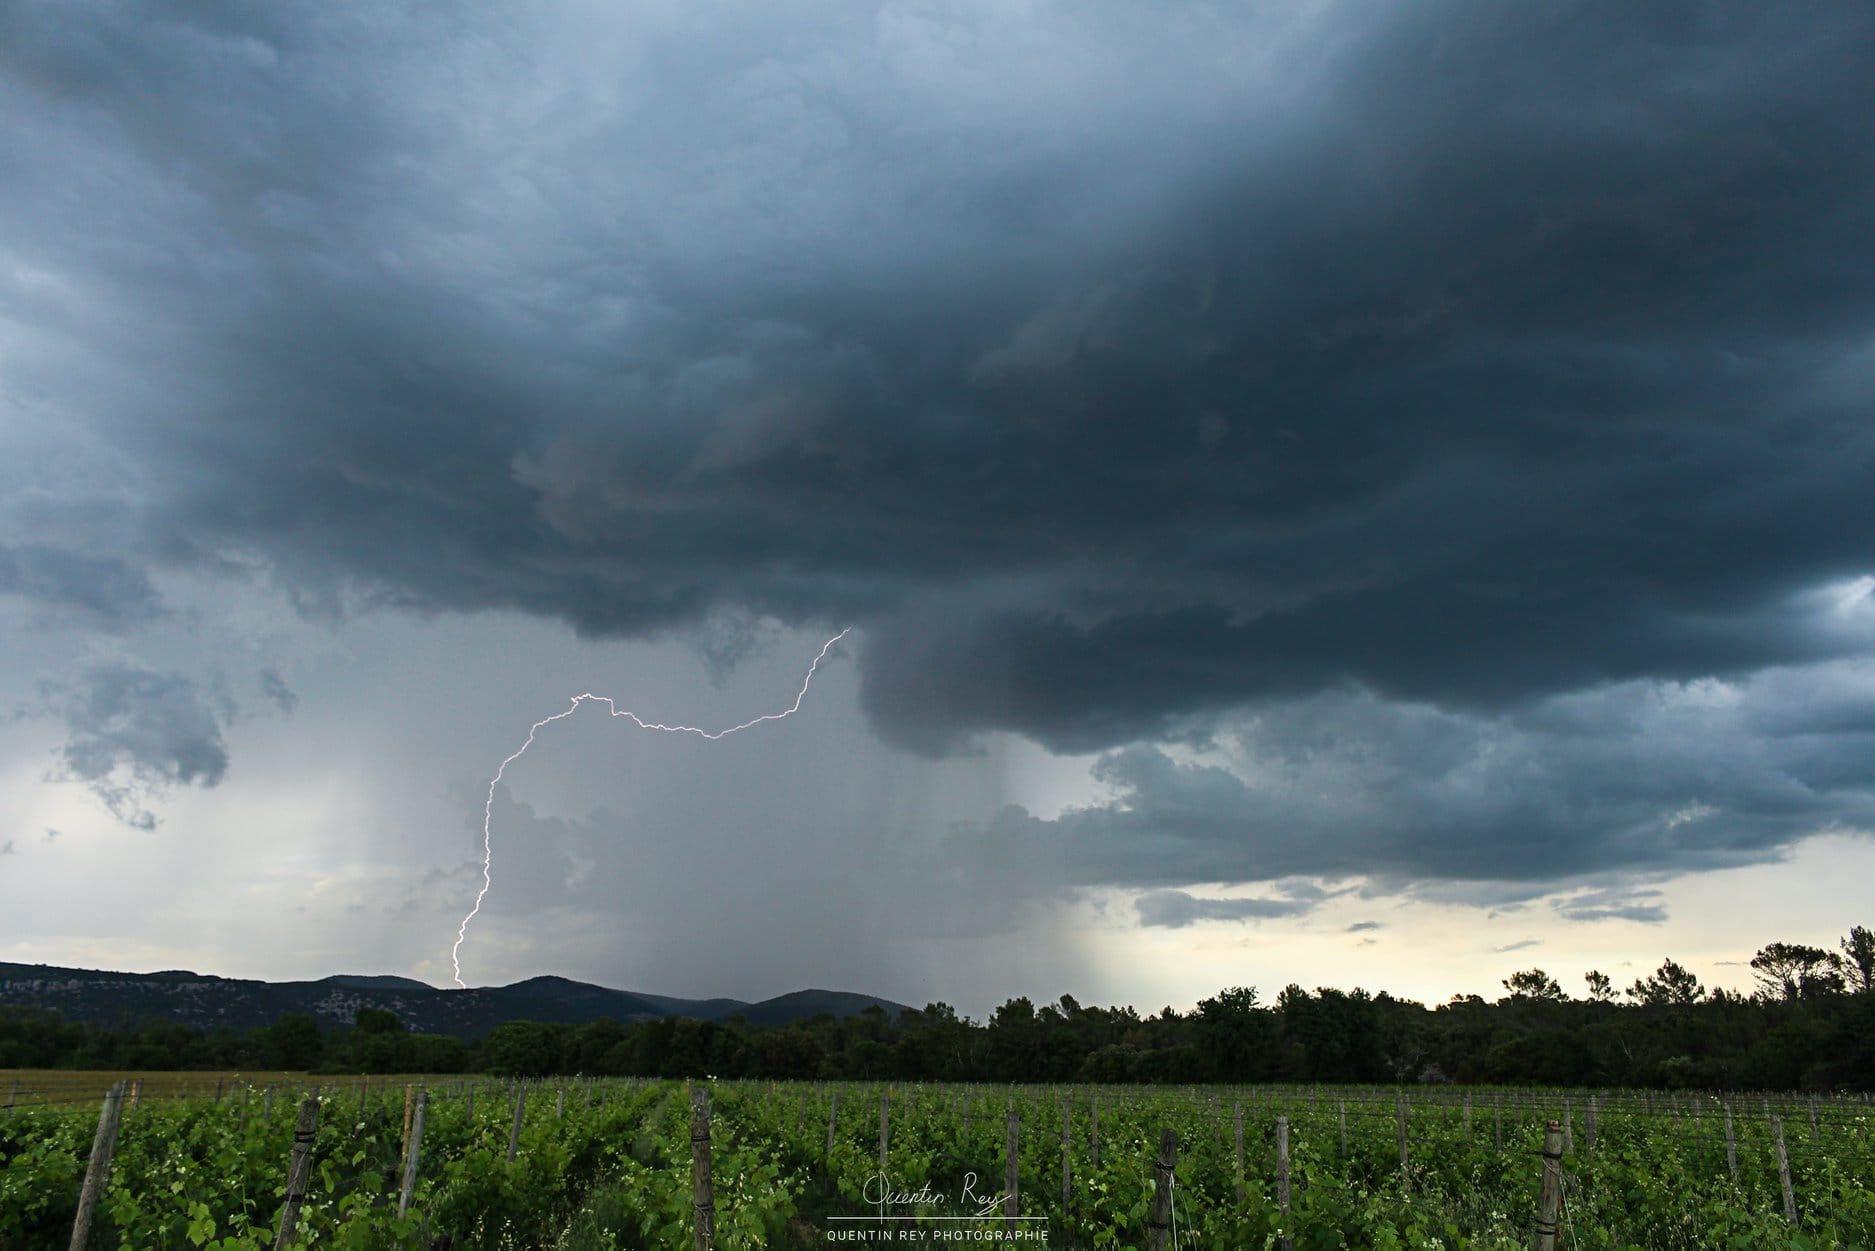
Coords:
pixel 1810 1024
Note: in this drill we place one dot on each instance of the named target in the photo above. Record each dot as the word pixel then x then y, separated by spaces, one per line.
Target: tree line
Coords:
pixel 1809 1024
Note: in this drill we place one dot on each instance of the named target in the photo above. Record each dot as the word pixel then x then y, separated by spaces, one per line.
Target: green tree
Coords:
pixel 436 1053
pixel 1792 971
pixel 1601 987
pixel 1670 985
pixel 1534 984
pixel 1858 960
pixel 1235 1035
pixel 292 1042
pixel 521 1049
pixel 376 1021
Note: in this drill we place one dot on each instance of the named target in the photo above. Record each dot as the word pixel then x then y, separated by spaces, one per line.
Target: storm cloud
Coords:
pixel 1425 441
pixel 134 732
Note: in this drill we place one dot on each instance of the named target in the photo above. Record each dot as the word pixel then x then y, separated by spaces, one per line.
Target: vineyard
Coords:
pixel 369 1163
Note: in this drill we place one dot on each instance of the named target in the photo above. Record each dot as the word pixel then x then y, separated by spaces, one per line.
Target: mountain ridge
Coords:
pixel 209 1001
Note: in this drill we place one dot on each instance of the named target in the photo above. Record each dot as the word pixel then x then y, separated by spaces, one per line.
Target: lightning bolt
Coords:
pixel 488 807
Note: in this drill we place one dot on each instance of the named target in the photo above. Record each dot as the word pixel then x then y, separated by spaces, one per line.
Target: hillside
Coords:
pixel 208 1002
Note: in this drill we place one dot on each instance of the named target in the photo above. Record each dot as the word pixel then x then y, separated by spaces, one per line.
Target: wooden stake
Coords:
pixel 885 1101
pixel 1067 1141
pixel 1731 1146
pixel 833 1118
pixel 1160 1220
pixel 702 1201
pixel 413 1154
pixel 1783 1171
pixel 1011 1144
pixel 1286 1242
pixel 403 1144
pixel 1096 1129
pixel 1406 1173
pixel 1549 1196
pixel 299 1168
pixel 98 1167
pixel 1242 1193
pixel 514 1134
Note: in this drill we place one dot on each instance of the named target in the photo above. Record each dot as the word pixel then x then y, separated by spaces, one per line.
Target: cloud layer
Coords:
pixel 134 732
pixel 1425 403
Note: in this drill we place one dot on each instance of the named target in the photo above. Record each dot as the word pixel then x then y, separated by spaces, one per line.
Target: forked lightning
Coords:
pixel 488 807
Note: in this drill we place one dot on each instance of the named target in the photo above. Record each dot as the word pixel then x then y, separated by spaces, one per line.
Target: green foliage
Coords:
pixel 613 1169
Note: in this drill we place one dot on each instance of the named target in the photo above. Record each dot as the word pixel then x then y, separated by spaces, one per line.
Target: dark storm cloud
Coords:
pixel 1617 904
pixel 134 732
pixel 99 590
pixel 1636 779
pixel 1175 909
pixel 1113 370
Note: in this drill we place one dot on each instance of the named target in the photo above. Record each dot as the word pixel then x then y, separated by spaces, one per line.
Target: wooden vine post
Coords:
pixel 1011 1144
pixel 1731 1146
pixel 514 1134
pixel 702 1200
pixel 1406 1171
pixel 1783 1171
pixel 1285 1241
pixel 1237 1149
pixel 1160 1220
pixel 412 1153
pixel 298 1170
pixel 98 1167
pixel 1549 1196
pixel 1067 1141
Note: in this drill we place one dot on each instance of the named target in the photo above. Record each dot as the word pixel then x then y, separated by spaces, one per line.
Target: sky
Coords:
pixel 1332 493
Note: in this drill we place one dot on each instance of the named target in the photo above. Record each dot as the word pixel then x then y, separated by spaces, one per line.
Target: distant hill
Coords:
pixel 210 1002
